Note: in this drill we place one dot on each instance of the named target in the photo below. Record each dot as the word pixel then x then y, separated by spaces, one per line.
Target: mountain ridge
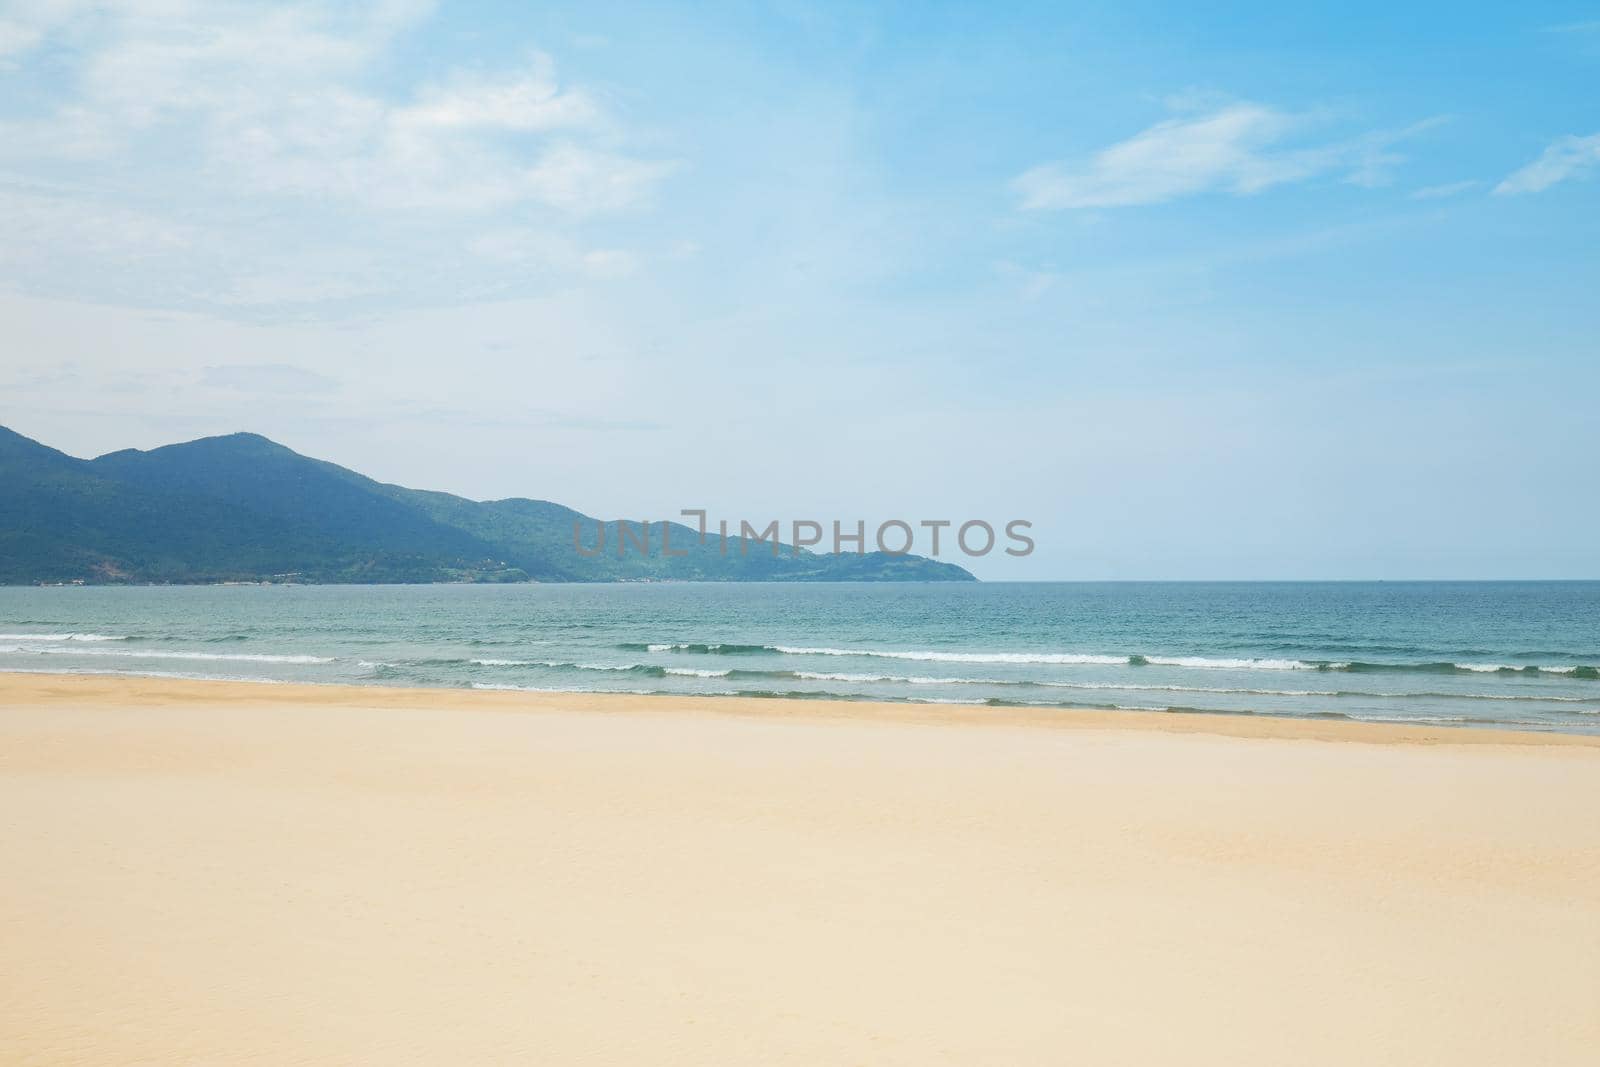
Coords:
pixel 242 507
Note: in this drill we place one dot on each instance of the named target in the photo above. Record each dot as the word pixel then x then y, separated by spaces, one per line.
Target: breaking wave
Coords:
pixel 1131 660
pixel 155 653
pixel 63 637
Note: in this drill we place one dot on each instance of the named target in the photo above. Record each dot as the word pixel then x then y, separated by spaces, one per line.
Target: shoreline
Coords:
pixel 39 688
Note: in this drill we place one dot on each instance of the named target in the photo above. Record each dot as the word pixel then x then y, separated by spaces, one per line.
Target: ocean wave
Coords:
pixel 701 648
pixel 1536 698
pixel 904 679
pixel 1207 663
pixel 1360 666
pixel 134 672
pixel 1575 670
pixel 498 687
pixel 1062 658
pixel 73 644
pixel 855 678
pixel 1135 687
pixel 550 664
pixel 1075 705
pixel 501 688
pixel 1005 702
pixel 63 637
pixel 818 676
pixel 1454 720
pixel 1220 663
pixel 649 669
pixel 1139 687
pixel 1434 719
pixel 155 653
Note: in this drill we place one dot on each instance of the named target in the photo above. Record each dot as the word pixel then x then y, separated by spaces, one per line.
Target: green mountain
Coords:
pixel 243 508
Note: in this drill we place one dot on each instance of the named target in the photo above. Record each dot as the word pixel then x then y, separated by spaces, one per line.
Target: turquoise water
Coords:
pixel 1523 654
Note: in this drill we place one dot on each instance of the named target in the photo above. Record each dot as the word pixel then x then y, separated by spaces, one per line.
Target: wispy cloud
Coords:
pixel 241 112
pixel 268 99
pixel 532 250
pixel 1568 158
pixel 532 101
pixel 1238 148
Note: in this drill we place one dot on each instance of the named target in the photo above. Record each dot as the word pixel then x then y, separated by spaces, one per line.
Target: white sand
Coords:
pixel 211 874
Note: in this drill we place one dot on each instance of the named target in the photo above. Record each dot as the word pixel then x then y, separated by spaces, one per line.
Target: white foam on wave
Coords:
pixel 1207 663
pixel 957 657
pixel 1136 687
pixel 693 672
pixel 1437 719
pixel 62 637
pixel 1218 663
pixel 1519 698
pixel 134 672
pixel 816 676
pixel 554 664
pixel 154 653
pixel 494 687
pixel 1056 658
pixel 1491 668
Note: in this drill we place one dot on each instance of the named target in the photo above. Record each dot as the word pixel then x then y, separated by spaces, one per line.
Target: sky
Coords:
pixel 1233 291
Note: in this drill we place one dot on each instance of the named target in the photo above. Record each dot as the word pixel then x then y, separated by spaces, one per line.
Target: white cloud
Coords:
pixel 141 61
pixel 25 23
pixel 236 154
pixel 16 37
pixel 532 101
pixel 1569 157
pixel 610 263
pixel 267 98
pixel 1239 148
pixel 581 180
pixel 527 250
pixel 349 147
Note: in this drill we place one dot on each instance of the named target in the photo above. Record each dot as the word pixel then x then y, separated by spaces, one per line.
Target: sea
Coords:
pixel 1490 654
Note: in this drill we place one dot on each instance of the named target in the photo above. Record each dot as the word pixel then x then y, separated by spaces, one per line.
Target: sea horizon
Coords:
pixel 820 581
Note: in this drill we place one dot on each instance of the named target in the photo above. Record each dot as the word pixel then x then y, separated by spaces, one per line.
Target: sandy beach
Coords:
pixel 227 873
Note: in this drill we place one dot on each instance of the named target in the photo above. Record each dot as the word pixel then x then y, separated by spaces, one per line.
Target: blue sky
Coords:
pixel 1240 291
